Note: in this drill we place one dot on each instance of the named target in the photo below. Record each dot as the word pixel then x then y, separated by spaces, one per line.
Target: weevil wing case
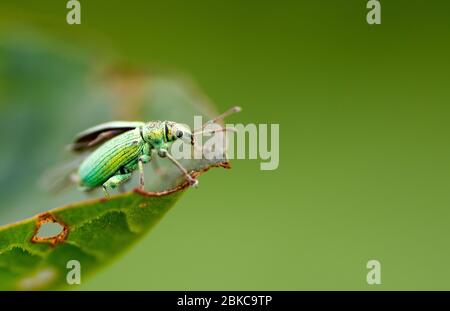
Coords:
pixel 106 160
pixel 64 174
pixel 100 133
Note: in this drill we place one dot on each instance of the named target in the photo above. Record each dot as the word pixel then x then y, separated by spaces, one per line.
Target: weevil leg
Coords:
pixel 142 159
pixel 105 191
pixel 120 187
pixel 141 175
pixel 114 182
pixel 165 154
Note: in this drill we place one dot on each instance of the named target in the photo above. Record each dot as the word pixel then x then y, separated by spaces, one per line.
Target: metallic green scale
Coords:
pixel 121 152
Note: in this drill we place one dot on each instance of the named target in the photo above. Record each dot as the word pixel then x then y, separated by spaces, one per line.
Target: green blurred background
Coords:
pixel 364 157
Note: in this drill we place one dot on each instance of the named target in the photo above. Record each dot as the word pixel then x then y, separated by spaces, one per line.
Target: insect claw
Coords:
pixel 193 182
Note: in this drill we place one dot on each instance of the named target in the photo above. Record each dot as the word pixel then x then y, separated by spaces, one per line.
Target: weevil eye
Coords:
pixel 179 134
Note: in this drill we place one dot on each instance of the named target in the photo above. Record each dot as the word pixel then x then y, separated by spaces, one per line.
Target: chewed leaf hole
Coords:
pixel 49 230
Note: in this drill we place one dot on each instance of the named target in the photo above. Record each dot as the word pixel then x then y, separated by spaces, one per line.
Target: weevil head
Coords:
pixel 175 131
pixel 158 133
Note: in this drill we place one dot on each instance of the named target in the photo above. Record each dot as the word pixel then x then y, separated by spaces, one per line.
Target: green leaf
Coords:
pixel 92 232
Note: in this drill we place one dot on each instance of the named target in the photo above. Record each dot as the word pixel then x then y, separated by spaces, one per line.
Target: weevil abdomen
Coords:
pixel 109 158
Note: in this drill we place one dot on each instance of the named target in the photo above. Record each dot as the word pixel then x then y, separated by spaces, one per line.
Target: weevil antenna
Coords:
pixel 222 116
pixel 224 129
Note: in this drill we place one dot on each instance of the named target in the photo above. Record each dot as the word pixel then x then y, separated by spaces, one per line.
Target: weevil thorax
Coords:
pixel 154 133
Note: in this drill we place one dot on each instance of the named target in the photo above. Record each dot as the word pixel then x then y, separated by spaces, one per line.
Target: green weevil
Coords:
pixel 126 146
